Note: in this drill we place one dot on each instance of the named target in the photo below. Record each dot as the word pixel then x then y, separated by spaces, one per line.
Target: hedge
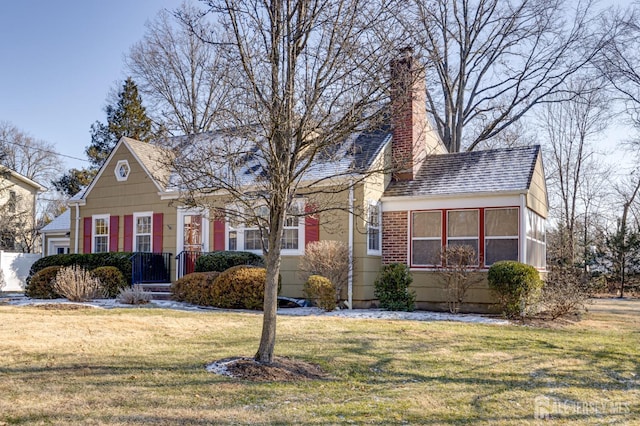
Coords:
pixel 220 261
pixel 121 260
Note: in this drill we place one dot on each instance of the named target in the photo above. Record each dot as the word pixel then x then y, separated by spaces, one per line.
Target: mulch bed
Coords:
pixel 282 369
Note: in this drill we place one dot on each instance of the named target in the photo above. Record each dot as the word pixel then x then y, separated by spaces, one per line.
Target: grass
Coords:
pixel 146 366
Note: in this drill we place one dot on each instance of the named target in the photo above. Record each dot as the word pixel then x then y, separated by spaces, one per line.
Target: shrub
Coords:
pixel 329 259
pixel 195 288
pixel 134 295
pixel 459 264
pixel 121 260
pixel 111 280
pixel 516 285
pixel 240 287
pixel 220 261
pixel 40 286
pixel 392 288
pixel 77 284
pixel 321 291
pixel 565 292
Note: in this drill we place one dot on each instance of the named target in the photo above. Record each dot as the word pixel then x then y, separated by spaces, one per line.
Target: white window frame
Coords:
pixel 377 205
pixel 116 171
pixel 501 237
pixel 240 230
pixel 137 215
pixel 94 234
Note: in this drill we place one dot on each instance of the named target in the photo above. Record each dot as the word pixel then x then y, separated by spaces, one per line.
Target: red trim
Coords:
pixel 114 230
pixel 86 240
pixel 311 225
pixel 218 235
pixel 158 227
pixel 128 232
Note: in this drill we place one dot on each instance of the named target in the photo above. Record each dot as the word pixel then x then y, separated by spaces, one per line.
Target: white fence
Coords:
pixel 14 269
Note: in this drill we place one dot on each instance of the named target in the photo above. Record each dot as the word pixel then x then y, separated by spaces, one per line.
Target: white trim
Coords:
pixel 93 230
pixel 182 212
pixel 390 204
pixel 523 229
pixel 54 243
pixel 77 237
pixel 350 247
pixel 134 244
pixel 116 170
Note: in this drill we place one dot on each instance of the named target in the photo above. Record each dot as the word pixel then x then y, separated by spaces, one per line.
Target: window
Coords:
pixel 143 226
pixel 501 235
pixel 100 234
pixel 247 236
pixel 426 238
pixel 373 229
pixel 122 170
pixel 536 240
pixel 12 201
pixel 463 229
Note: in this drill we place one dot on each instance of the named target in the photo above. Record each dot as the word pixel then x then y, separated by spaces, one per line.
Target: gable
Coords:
pixel 537 199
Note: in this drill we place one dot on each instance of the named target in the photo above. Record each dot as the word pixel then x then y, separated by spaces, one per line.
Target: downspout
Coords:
pixel 75 246
pixel 350 275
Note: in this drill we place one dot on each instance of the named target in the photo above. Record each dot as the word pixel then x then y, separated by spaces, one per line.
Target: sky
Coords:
pixel 60 59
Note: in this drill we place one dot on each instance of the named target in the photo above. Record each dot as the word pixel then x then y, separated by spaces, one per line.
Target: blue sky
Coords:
pixel 59 60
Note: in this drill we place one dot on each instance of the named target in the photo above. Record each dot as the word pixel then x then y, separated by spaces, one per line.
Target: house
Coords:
pixel 55 235
pixel 18 195
pixel 492 200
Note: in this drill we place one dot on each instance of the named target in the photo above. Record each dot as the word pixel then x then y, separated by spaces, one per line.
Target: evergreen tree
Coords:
pixel 128 118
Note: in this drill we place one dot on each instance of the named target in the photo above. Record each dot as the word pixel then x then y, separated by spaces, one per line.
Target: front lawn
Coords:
pixel 146 366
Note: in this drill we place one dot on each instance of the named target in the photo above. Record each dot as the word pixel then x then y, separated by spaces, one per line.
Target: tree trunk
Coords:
pixel 268 337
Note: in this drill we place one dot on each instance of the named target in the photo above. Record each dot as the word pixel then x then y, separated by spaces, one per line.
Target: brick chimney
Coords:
pixel 408 115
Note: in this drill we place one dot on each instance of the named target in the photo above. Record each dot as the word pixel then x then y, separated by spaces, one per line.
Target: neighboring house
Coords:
pixel 18 196
pixel 492 200
pixel 55 235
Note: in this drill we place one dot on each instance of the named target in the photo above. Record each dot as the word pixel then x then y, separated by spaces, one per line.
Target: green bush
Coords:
pixel 321 291
pixel 516 285
pixel 195 288
pixel 40 285
pixel 111 280
pixel 121 260
pixel 220 261
pixel 392 288
pixel 240 287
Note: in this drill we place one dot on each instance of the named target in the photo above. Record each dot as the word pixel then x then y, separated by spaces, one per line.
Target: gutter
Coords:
pixel 75 246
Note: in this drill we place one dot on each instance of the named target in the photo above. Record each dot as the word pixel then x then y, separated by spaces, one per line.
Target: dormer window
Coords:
pixel 122 170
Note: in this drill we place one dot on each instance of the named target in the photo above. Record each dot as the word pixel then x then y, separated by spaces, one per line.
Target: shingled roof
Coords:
pixel 496 170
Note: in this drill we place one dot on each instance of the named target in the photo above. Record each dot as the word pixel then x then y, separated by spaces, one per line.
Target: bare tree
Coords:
pixel 460 266
pixel 33 158
pixel 570 129
pixel 179 72
pixel 491 61
pixel 307 75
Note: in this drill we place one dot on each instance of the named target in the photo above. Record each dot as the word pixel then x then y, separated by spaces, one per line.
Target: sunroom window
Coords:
pixel 501 235
pixel 462 229
pixel 426 238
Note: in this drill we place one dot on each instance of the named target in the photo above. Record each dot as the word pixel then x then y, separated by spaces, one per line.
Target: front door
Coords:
pixel 192 244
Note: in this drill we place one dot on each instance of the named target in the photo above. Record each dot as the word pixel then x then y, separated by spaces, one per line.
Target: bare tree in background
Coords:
pixel 573 165
pixel 33 158
pixel 490 61
pixel 178 72
pixel 307 75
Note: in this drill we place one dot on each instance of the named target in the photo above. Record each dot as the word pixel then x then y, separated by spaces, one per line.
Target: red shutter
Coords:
pixel 218 235
pixel 128 232
pixel 311 225
pixel 157 232
pixel 114 229
pixel 86 240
